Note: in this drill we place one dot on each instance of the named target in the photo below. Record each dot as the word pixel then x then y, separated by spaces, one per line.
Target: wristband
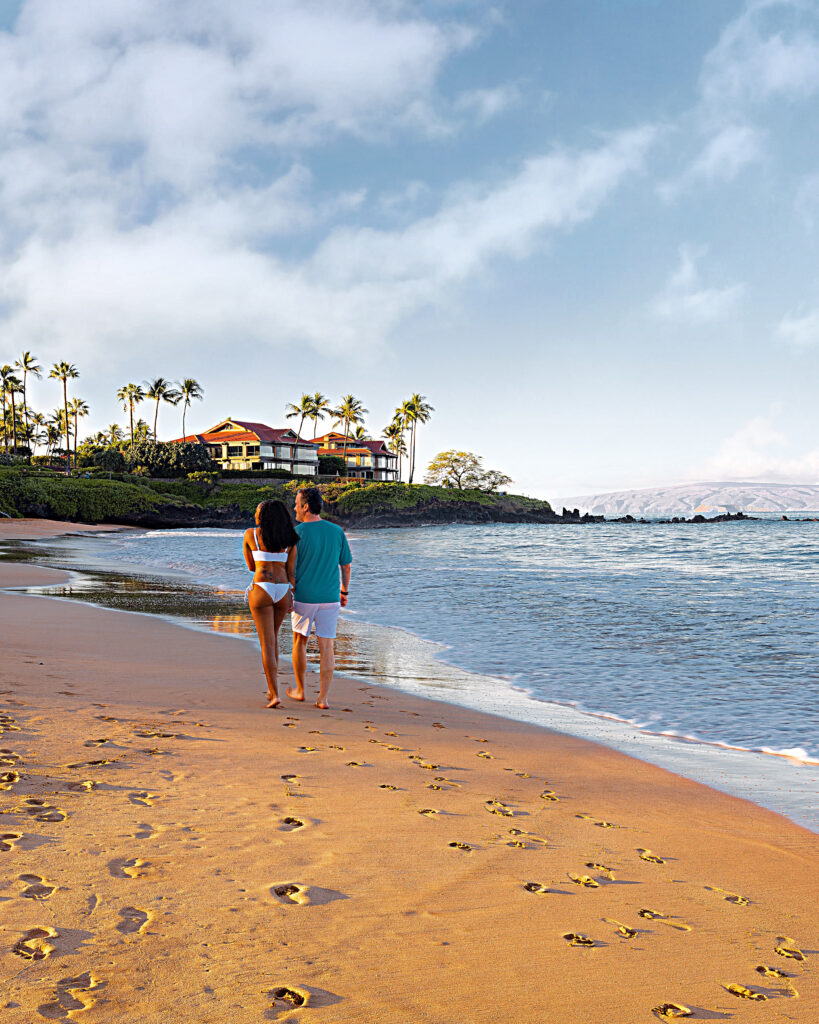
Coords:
pixel 345 592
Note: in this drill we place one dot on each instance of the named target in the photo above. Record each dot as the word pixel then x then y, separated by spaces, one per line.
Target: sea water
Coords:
pixel 694 646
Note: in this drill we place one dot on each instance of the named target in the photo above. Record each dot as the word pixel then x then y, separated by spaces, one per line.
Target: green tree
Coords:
pixel 304 410
pixel 394 436
pixel 319 409
pixel 188 390
pixel 28 364
pixel 130 395
pixel 78 407
pixel 13 386
pixel 360 434
pixel 463 471
pixel 37 425
pixel 414 411
pixel 350 412
pixel 161 390
pixel 65 372
pixel 6 373
pixel 113 435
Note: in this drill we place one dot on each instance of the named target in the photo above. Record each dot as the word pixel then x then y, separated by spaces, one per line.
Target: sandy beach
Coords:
pixel 170 851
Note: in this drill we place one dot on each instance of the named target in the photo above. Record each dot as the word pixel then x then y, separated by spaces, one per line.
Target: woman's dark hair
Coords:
pixel 312 495
pixel 276 526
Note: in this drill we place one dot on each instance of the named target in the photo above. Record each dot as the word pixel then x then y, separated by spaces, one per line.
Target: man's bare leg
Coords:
pixel 327 665
pixel 299 666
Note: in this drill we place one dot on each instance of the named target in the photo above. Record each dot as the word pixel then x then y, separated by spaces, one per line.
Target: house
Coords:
pixel 366 460
pixel 238 444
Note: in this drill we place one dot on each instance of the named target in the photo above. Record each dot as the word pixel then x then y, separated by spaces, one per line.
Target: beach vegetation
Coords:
pixel 464 470
pixel 130 395
pixel 350 413
pixel 189 389
pixel 169 460
pixel 331 465
pixel 161 390
pixel 64 371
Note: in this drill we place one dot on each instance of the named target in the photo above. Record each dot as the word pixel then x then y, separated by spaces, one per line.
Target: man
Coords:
pixel 322 556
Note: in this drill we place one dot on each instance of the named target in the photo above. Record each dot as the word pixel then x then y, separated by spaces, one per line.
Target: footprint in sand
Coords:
pixel 335 746
pixel 461 846
pixel 356 764
pixel 35 945
pixel 577 939
pixel 41 810
pixel 428 811
pixel 144 798
pixel 72 997
pixel 82 787
pixel 741 992
pixel 8 757
pixel 772 972
pixel 584 880
pixel 599 824
pixel 130 867
pixel 602 868
pixel 550 795
pixel 155 734
pixel 391 734
pixel 728 896
pixel 36 887
pixel 134 921
pixel 649 857
pixel 291 892
pixel 788 948
pixel 291 824
pixel 671 1011
pixel 97 743
pixel 623 930
pixel 307 750
pixel 288 996
pixel 91 764
pixel 496 807
pixel 484 753
pixel 8 840
pixel 536 887
pixel 655 915
pixel 386 785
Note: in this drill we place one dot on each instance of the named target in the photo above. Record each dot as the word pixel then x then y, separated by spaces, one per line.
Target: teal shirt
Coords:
pixel 322 548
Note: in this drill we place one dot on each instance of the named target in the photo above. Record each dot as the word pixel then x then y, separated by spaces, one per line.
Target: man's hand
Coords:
pixel 344 598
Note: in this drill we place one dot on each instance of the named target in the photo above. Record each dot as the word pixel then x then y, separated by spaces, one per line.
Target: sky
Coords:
pixel 586 231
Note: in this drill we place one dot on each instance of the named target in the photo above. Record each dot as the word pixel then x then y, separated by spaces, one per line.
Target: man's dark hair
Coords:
pixel 312 495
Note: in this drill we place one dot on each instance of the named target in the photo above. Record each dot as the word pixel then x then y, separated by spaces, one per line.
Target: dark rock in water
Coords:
pixel 171 517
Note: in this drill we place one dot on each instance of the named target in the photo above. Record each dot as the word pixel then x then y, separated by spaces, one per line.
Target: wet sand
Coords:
pixel 169 850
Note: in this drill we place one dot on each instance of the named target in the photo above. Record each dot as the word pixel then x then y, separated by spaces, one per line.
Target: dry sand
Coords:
pixel 172 852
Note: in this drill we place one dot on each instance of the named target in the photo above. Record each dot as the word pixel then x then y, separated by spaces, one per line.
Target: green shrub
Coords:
pixel 169 460
pixel 330 465
pixel 110 460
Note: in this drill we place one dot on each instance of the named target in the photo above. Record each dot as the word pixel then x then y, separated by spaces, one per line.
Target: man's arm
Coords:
pixel 345 582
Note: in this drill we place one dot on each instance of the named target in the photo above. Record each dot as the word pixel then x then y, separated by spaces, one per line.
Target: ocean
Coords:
pixel 695 647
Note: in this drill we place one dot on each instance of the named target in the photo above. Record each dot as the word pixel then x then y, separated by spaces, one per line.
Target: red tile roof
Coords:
pixel 251 432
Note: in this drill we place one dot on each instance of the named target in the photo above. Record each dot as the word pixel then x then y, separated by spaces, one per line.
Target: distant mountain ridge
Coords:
pixel 708 499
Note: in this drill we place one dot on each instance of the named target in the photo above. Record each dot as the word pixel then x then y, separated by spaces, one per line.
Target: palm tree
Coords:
pixel 77 408
pixel 142 432
pixel 161 390
pixel 28 364
pixel 360 434
pixel 6 373
pixel 414 411
pixel 304 410
pixel 65 371
pixel 37 420
pixel 13 386
pixel 394 435
pixel 319 409
pixel 350 412
pixel 52 436
pixel 188 390
pixel 130 395
pixel 113 435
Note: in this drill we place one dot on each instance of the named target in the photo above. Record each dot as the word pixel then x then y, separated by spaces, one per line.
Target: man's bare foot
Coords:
pixel 295 694
pixel 322 704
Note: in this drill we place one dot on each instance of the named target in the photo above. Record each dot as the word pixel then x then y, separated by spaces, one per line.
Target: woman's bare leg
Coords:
pixel 264 618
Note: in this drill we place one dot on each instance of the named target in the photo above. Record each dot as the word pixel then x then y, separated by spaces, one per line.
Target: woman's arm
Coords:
pixel 246 549
pixel 291 565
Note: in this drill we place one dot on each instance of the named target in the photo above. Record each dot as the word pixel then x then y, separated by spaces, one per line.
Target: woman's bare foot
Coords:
pixel 295 694
pixel 322 704
pixel 272 700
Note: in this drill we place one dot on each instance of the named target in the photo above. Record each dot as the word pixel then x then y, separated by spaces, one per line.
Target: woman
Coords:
pixel 270 553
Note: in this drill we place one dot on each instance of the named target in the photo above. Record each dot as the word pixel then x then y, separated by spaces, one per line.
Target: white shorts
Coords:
pixel 325 617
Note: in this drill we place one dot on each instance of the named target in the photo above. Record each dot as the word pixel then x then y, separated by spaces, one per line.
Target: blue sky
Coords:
pixel 587 231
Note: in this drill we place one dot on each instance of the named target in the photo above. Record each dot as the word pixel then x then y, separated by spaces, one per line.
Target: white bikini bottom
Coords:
pixel 276 591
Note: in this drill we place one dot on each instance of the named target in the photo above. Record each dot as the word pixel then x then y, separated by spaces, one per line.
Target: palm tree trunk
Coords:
pixel 156 417
pixel 131 416
pixel 25 415
pixel 412 452
pixel 346 432
pixel 66 425
pixel 301 424
pixel 75 438
pixel 184 410
pixel 5 432
pixel 13 423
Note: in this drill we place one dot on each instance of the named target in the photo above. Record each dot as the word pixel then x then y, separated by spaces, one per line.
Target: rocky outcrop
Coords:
pixel 173 517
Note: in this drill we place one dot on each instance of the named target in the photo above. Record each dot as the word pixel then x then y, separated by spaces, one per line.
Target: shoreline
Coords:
pixel 164 809
pixel 777 780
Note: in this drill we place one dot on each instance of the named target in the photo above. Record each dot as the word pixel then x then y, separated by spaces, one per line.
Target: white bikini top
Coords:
pixel 267 556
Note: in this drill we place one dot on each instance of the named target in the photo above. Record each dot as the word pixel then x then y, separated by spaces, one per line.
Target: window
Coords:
pixel 252 449
pixel 234 451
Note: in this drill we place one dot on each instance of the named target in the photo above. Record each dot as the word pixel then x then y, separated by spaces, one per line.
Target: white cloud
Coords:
pixel 190 276
pixel 685 298
pixel 770 51
pixel 724 155
pixel 759 450
pixel 484 104
pixel 800 329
